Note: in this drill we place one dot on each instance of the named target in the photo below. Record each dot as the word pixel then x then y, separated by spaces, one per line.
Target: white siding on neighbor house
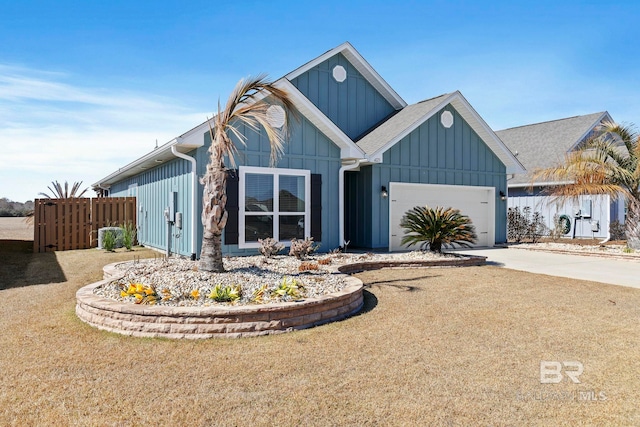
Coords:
pixel 600 212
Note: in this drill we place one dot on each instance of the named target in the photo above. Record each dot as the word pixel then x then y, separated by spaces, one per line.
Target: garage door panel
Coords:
pixel 475 202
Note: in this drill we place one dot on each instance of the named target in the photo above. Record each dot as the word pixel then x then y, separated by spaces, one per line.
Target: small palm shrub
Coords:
pixel 435 228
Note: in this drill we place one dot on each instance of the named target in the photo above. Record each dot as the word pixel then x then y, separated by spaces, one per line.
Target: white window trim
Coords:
pixel 275 172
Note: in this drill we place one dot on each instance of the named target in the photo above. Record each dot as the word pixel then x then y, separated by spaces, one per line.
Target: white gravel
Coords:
pixel 176 279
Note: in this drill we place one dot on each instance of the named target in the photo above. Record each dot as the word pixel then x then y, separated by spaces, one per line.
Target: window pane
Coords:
pixel 258 227
pixel 291 193
pixel 258 193
pixel 291 226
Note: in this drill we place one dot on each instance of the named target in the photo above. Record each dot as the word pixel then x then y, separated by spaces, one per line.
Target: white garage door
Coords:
pixel 478 203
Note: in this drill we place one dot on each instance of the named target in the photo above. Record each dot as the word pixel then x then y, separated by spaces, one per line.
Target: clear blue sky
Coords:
pixel 88 86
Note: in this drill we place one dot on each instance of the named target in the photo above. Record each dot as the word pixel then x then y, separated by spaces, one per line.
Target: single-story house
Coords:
pixel 542 145
pixel 356 161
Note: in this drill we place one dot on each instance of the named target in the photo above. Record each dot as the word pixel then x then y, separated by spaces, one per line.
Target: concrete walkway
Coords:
pixel 596 269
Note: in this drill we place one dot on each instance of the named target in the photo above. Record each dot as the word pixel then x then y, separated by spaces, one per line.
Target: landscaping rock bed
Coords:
pixel 328 294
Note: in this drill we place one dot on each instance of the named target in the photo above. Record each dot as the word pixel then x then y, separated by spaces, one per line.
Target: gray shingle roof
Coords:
pixel 542 145
pixel 397 124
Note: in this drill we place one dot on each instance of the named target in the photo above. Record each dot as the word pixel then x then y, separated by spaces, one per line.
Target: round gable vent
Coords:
pixel 446 118
pixel 275 116
pixel 339 73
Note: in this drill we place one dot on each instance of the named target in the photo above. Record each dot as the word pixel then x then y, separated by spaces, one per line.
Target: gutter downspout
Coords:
pixel 343 169
pixel 608 221
pixel 194 203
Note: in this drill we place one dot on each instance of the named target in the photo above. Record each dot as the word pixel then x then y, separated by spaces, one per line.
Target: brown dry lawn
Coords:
pixel 432 347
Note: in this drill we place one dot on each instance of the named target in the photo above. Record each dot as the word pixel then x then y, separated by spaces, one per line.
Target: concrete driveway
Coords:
pixel 596 269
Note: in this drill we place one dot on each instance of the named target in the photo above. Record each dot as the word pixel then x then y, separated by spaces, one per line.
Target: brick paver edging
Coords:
pixel 234 321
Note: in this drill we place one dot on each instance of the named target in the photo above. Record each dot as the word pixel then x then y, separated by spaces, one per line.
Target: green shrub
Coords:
pixel 435 228
pixel 128 235
pixel 109 240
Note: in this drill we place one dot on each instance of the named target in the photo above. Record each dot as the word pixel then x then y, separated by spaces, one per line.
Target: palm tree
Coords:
pixel 435 228
pixel 59 193
pixel 245 106
pixel 607 164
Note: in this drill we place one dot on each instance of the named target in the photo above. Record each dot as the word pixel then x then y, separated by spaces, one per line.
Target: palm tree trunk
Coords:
pixel 632 224
pixel 214 217
pixel 211 253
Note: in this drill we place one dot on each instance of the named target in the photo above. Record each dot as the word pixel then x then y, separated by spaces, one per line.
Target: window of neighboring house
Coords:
pixel 273 203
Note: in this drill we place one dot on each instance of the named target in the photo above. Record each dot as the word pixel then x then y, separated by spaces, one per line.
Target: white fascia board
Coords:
pixel 376 157
pixel 150 160
pixel 539 184
pixel 363 68
pixel 348 148
pixel 483 130
pixel 602 117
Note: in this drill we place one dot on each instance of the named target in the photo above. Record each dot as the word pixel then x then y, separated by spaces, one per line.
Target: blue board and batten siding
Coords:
pixel 430 154
pixel 307 149
pixel 154 187
pixel 354 105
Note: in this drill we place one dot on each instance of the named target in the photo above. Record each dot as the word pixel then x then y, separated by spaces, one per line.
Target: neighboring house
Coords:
pixel 357 160
pixel 543 145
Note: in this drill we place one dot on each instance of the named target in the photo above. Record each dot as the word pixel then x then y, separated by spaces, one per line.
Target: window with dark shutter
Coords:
pixel 316 207
pixel 231 229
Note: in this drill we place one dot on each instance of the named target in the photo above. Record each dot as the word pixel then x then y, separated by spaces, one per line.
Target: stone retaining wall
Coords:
pixel 233 321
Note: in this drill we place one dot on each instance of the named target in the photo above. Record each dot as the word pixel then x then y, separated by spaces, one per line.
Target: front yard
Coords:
pixel 451 346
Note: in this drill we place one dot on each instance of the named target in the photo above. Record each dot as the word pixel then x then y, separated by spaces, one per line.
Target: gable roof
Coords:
pixel 369 148
pixel 541 145
pixel 360 64
pixel 375 143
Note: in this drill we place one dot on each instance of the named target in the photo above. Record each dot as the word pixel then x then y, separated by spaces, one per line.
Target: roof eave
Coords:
pixel 376 156
pixel 471 116
pixel 158 156
pixel 604 115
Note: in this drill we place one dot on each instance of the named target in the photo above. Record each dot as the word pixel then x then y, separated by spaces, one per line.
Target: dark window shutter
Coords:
pixel 316 207
pixel 233 206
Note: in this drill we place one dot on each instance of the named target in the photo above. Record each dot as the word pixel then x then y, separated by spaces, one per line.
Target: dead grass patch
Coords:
pixel 451 346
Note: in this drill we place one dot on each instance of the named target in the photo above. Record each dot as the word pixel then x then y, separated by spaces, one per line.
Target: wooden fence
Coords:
pixel 65 224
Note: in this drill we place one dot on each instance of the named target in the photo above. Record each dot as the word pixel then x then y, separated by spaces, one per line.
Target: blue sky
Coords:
pixel 89 86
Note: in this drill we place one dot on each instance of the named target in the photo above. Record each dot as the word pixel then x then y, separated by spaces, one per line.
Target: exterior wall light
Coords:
pixel 503 196
pixel 384 193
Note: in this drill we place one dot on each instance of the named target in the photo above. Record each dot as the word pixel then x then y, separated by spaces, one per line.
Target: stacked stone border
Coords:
pixel 235 321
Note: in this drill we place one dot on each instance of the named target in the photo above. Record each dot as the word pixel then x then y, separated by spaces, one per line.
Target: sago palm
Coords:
pixel 606 164
pixel 435 228
pixel 246 106
pixel 57 192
